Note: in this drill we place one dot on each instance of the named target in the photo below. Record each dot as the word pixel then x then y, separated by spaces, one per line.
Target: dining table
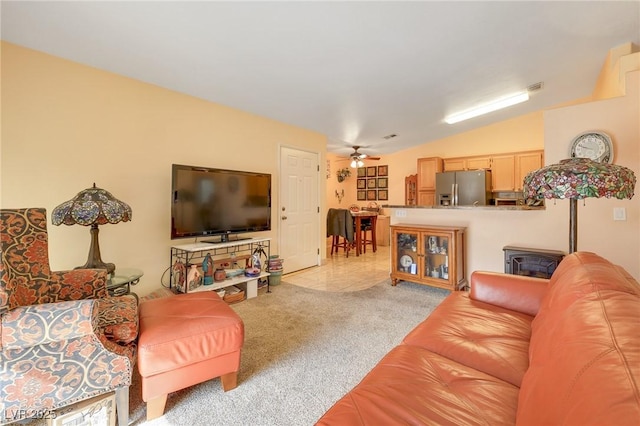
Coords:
pixel 357 217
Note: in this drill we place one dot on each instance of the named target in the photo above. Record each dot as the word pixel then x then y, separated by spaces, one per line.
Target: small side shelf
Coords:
pixel 240 251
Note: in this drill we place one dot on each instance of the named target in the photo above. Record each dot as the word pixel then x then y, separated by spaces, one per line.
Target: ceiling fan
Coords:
pixel 357 157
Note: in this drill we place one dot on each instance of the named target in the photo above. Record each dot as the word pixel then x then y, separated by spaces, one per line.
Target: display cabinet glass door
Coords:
pixel 407 253
pixel 436 256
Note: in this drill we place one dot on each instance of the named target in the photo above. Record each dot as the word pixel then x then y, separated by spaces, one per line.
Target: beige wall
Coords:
pixel 66 126
pixel 489 231
pixel 518 134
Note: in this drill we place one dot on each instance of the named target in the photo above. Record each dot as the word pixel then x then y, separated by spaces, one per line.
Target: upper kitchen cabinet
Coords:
pixel 427 169
pixel 509 170
pixel 526 162
pixel 454 164
pixel 503 172
pixel 466 163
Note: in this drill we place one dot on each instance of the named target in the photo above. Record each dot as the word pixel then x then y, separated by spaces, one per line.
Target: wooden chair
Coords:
pixel 368 224
pixel 340 228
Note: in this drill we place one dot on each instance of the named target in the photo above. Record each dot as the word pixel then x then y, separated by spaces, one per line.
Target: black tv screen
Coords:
pixel 207 201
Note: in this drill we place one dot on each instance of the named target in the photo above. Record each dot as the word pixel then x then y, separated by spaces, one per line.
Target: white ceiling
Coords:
pixel 354 71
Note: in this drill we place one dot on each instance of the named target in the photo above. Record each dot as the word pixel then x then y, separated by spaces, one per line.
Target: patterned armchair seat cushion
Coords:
pixel 54 355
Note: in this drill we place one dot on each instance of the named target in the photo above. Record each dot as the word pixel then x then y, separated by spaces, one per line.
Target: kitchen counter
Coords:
pixel 503 207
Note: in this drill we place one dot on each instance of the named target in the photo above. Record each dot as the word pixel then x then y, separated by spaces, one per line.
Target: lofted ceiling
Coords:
pixel 353 71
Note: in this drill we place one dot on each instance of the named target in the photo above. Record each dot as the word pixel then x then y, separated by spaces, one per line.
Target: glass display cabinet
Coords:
pixel 431 255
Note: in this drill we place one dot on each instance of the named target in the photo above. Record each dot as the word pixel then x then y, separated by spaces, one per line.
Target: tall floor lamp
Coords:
pixel 92 207
pixel 579 178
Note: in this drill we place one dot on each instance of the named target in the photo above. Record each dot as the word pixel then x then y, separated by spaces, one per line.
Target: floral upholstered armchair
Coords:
pixel 62 338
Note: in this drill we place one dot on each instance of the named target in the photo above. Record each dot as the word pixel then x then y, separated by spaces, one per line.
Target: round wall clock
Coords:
pixel 596 146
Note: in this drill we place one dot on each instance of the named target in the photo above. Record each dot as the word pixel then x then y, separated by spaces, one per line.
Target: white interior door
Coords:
pixel 299 209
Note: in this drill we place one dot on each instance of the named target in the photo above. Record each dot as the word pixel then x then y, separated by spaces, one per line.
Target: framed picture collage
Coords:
pixel 373 183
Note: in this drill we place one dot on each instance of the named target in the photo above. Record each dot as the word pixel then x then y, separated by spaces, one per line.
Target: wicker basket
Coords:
pixel 233 297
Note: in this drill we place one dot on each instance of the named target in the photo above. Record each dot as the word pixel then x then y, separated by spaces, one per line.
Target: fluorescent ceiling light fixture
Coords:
pixel 507 101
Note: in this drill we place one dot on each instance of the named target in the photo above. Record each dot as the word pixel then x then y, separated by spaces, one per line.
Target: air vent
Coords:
pixel 391 136
pixel 535 87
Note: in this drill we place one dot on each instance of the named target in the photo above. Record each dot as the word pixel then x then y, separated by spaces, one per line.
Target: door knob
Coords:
pixel 284 218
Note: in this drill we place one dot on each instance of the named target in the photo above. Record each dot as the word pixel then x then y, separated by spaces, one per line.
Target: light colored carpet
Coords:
pixel 304 349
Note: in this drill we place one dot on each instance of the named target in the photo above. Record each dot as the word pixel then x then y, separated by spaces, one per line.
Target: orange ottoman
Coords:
pixel 185 340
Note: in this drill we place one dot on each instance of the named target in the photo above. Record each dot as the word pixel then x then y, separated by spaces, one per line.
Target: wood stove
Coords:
pixel 539 263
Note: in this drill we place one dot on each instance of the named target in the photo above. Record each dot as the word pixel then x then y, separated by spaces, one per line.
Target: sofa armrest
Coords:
pixel 78 284
pixel 29 326
pixel 515 292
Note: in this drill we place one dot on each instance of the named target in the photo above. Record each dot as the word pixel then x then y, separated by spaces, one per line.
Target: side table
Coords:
pixel 121 281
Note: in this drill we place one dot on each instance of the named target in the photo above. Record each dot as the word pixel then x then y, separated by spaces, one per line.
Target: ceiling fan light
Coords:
pixel 501 103
pixel 356 162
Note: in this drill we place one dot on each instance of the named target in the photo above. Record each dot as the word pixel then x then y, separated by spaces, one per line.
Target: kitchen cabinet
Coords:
pixel 427 169
pixel 524 163
pixel 453 164
pixel 478 163
pixel 382 230
pixel 427 198
pixel 429 255
pixel 466 163
pixel 503 173
pixel 508 171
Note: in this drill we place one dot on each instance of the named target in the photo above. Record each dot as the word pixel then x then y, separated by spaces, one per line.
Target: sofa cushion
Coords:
pixel 479 335
pixel 585 350
pixel 412 385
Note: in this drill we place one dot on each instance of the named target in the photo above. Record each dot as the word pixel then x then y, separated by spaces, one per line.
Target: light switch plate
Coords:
pixel 401 213
pixel 619 213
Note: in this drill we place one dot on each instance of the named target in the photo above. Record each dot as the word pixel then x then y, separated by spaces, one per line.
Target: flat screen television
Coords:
pixel 217 202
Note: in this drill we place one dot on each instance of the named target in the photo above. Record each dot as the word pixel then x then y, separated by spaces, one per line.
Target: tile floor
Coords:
pixel 340 274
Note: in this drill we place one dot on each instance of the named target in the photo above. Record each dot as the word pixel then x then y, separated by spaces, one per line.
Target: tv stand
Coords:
pixel 226 239
pixel 235 250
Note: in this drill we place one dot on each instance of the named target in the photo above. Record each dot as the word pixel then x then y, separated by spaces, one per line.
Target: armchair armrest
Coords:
pixel 28 326
pixel 78 284
pixel 516 292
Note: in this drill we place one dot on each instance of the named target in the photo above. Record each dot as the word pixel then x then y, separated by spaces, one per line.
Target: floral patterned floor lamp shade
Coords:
pixel 579 178
pixel 92 207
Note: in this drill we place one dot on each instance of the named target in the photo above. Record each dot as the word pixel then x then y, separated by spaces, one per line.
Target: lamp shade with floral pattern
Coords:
pixel 580 178
pixel 576 179
pixel 92 207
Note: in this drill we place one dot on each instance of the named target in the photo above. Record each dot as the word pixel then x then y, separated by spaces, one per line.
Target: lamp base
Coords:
pixel 99 264
pixel 93 260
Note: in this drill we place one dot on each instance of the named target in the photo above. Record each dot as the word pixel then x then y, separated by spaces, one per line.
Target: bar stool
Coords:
pixel 337 244
pixel 340 228
pixel 368 224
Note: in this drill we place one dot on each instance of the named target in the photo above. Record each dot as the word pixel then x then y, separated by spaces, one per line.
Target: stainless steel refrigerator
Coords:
pixel 466 188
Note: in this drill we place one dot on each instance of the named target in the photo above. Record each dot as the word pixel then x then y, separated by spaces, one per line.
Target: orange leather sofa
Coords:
pixel 514 350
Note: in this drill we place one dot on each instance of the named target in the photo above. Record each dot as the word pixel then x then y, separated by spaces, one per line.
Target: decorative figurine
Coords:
pixel 193 278
pixel 179 275
pixel 207 270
